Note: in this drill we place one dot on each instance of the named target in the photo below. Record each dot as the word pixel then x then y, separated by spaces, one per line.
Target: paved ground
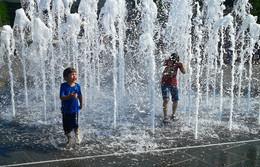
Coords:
pixel 24 152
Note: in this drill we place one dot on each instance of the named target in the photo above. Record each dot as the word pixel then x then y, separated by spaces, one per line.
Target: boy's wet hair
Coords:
pixel 175 58
pixel 67 71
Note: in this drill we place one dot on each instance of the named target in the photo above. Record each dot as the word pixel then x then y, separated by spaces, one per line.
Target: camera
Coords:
pixel 174 58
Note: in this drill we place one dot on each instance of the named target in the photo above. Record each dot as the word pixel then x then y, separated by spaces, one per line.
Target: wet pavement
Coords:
pixel 240 154
pixel 18 147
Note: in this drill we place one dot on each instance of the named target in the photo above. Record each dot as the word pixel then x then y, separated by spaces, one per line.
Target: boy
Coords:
pixel 169 85
pixel 71 103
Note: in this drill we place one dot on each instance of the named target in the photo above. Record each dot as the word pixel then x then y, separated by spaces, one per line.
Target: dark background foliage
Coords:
pixel 7 10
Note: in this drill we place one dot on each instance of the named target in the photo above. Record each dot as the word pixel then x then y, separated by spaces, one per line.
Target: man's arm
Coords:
pixel 182 67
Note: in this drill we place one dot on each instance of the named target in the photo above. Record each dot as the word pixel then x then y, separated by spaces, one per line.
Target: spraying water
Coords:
pixel 118 54
pixel 7 45
pixel 198 67
pixel 147 48
pixel 20 25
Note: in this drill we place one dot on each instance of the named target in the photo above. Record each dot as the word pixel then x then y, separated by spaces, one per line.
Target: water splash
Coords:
pixel 119 57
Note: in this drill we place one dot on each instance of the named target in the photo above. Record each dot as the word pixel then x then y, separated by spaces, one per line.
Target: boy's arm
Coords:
pixel 73 95
pixel 80 102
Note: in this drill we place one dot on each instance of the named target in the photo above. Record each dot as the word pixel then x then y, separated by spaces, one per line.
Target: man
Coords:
pixel 169 85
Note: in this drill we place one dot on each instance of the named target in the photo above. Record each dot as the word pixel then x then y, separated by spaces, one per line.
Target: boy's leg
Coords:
pixel 76 129
pixel 69 135
pixel 69 139
pixel 74 123
pixel 66 121
pixel 78 139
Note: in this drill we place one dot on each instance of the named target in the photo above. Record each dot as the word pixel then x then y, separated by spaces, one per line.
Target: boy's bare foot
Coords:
pixel 69 143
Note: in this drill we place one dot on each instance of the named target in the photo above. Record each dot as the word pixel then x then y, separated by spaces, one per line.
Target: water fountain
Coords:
pixel 118 57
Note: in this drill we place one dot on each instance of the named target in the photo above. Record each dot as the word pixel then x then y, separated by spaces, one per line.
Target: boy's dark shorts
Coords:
pixel 70 122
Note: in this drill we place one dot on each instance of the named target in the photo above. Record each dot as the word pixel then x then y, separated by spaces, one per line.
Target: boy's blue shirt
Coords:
pixel 70 105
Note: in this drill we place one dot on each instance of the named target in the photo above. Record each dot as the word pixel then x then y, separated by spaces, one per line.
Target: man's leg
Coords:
pixel 165 106
pixel 175 98
pixel 174 107
pixel 165 95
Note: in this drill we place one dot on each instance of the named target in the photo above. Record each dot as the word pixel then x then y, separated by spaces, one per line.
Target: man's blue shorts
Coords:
pixel 166 90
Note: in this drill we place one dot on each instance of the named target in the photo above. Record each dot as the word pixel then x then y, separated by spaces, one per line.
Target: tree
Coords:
pixel 255 9
pixel 4 16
